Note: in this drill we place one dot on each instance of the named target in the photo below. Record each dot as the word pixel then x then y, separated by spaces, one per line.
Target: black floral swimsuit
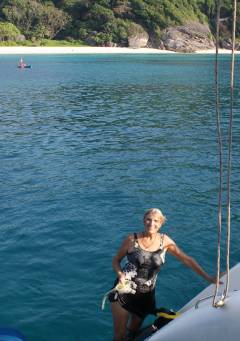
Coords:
pixel 147 265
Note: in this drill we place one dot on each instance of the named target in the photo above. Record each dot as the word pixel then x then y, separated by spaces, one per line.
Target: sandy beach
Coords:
pixel 22 50
pixel 213 51
pixel 74 50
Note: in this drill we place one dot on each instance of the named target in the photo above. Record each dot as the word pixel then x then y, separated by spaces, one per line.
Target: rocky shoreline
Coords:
pixel 188 38
pixel 193 37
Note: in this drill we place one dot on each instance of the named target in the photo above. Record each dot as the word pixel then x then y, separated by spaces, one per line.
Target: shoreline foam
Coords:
pixel 21 50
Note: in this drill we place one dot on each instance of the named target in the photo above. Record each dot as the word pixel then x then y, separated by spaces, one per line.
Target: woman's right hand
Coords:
pixel 213 280
pixel 125 286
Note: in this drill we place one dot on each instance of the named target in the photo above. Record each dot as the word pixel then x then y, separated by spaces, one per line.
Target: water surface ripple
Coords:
pixel 87 143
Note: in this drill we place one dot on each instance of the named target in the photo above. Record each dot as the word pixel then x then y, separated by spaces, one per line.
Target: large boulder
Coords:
pixel 188 38
pixel 20 38
pixel 137 36
pixel 227 44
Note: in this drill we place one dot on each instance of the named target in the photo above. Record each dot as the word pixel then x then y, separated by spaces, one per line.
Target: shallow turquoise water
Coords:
pixel 87 143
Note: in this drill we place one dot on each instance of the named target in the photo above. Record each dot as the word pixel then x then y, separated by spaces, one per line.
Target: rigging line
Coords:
pixel 230 150
pixel 219 138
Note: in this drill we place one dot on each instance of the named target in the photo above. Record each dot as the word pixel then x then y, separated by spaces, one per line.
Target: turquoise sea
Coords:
pixel 87 144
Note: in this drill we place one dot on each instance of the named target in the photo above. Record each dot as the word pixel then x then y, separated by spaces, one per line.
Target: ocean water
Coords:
pixel 87 144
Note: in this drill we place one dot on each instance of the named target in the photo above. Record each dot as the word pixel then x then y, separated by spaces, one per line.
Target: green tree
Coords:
pixel 51 21
pixel 34 18
pixel 100 15
pixel 8 32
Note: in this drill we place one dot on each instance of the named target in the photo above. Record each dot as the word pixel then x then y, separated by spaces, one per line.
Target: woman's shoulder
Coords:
pixel 167 241
pixel 132 237
pixel 129 239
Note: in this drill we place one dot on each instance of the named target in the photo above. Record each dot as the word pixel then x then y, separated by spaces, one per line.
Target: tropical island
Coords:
pixel 169 25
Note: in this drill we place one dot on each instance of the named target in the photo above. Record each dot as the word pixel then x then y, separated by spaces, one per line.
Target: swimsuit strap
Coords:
pixel 161 240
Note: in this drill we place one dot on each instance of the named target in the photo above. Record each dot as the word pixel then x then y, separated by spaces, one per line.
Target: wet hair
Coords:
pixel 155 211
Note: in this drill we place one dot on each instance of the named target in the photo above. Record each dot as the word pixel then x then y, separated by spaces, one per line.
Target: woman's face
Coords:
pixel 152 222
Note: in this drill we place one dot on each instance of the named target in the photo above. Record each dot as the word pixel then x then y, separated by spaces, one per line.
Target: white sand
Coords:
pixel 22 50
pixel 213 51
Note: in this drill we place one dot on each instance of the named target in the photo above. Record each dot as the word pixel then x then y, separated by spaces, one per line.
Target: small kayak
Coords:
pixel 8 334
pixel 24 66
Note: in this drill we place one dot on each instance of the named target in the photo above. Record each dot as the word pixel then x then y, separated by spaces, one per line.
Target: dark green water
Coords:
pixel 87 143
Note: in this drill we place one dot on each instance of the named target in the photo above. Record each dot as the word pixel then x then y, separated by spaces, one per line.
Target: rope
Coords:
pixel 230 151
pixel 221 302
pixel 219 137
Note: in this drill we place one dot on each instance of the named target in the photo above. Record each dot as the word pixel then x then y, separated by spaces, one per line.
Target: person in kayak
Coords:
pixel 21 63
pixel 145 252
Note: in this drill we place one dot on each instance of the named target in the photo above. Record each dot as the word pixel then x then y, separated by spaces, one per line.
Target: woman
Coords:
pixel 145 253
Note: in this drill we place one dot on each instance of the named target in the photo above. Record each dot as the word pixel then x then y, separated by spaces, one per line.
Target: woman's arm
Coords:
pixel 187 260
pixel 122 252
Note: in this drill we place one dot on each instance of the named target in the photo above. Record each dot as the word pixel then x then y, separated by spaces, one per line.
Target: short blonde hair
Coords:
pixel 155 211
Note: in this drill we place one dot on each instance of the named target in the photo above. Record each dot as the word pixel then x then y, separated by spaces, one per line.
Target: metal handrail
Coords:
pixel 218 304
pixel 202 299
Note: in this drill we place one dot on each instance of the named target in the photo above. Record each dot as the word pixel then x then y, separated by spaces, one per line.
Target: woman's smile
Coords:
pixel 152 223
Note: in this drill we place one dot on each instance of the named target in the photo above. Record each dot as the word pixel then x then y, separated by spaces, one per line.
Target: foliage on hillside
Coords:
pixel 35 19
pixel 104 22
pixel 9 32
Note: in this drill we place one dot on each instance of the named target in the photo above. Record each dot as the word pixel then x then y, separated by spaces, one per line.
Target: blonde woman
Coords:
pixel 145 252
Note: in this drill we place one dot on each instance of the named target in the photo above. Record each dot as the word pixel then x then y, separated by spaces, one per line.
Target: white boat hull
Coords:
pixel 202 322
